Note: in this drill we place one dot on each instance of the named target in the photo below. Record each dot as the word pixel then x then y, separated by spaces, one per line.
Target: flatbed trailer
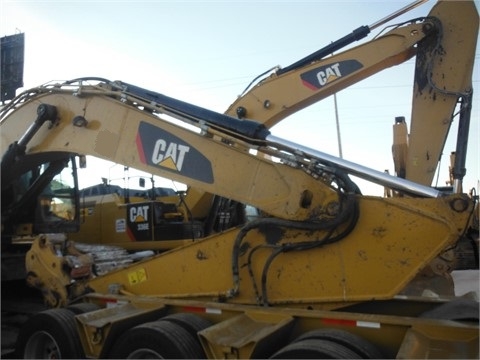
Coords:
pixel 402 328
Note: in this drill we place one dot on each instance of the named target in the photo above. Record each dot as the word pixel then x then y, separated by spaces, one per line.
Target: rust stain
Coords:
pixel 201 255
pixel 363 255
pixel 379 231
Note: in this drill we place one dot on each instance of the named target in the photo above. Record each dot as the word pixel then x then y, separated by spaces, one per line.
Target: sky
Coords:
pixel 207 52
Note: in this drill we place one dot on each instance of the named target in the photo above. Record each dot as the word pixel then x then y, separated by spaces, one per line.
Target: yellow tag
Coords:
pixel 138 276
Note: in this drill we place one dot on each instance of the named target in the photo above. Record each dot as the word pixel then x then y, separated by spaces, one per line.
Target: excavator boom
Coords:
pixel 307 195
pixel 179 153
pixel 443 44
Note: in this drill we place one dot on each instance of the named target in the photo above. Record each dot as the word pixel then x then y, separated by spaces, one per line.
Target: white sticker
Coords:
pixel 120 225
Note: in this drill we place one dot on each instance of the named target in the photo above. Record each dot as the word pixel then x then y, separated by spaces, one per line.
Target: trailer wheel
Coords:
pixel 156 340
pixel 192 323
pixel 315 349
pixel 364 348
pixel 50 334
pixel 82 308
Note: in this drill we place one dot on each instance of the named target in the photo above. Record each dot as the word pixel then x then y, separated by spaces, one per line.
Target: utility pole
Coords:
pixel 339 140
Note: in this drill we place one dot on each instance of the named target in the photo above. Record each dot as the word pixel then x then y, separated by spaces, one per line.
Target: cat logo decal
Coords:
pixel 159 148
pixel 317 78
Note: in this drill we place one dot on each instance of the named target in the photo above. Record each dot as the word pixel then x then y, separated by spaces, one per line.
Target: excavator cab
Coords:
pixel 40 196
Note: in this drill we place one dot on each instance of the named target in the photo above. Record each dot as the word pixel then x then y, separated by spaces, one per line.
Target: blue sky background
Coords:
pixel 206 52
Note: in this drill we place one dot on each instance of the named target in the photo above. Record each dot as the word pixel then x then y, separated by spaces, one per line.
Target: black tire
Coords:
pixel 193 324
pixel 50 334
pixel 190 322
pixel 156 340
pixel 315 349
pixel 82 308
pixel 361 346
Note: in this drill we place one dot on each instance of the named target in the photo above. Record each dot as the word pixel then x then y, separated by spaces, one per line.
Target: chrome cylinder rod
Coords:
pixel 358 170
pixel 396 14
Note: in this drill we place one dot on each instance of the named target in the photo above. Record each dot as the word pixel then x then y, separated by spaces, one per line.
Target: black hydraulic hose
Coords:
pixel 306 245
pixel 255 79
pixel 266 267
pixel 250 270
pixel 350 208
pixel 91 78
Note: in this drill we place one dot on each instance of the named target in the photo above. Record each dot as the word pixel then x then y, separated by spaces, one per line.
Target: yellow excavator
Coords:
pixel 323 272
pixel 283 92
